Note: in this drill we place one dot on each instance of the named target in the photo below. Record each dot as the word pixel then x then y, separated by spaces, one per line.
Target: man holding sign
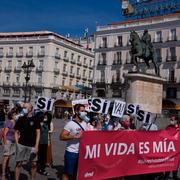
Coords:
pixel 72 133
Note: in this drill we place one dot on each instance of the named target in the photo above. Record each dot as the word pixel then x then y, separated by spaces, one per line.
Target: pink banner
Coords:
pixel 111 154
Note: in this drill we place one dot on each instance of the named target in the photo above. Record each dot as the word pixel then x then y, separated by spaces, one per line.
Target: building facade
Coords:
pixel 113 60
pixel 60 65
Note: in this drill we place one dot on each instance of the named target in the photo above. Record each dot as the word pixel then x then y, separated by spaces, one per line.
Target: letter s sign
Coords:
pixel 44 103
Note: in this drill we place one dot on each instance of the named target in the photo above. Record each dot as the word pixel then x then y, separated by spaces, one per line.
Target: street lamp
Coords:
pixel 27 67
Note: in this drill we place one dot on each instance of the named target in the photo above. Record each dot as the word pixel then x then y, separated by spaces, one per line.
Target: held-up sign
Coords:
pixel 44 103
pixel 81 101
pixel 99 105
pixel 118 108
pixel 143 116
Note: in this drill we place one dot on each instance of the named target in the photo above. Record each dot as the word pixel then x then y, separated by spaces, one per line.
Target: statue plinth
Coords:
pixel 145 90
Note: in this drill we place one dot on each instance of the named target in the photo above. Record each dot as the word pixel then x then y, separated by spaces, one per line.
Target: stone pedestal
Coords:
pixel 146 91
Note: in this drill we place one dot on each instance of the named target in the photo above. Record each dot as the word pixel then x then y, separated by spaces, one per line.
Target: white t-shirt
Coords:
pixel 74 128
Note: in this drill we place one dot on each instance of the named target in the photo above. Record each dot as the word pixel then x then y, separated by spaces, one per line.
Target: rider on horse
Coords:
pixel 146 39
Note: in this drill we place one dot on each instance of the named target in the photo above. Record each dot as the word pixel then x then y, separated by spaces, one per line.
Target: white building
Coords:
pixel 112 58
pixel 60 64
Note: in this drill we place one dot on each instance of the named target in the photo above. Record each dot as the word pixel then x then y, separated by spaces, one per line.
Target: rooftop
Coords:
pixel 137 22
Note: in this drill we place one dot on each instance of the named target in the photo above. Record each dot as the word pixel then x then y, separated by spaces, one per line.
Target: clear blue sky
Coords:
pixel 61 16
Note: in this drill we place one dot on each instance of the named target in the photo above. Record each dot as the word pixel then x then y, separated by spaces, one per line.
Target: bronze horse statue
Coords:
pixel 142 50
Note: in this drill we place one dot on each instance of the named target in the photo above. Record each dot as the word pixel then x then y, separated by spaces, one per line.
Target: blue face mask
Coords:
pixel 83 116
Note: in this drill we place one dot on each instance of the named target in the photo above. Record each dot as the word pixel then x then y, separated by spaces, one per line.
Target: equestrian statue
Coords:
pixel 142 49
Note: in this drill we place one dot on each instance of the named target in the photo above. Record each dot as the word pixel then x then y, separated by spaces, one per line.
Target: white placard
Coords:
pixel 81 101
pixel 98 105
pixel 44 103
pixel 118 108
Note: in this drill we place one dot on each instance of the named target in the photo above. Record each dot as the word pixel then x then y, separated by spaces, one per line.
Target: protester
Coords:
pixel 9 143
pixel 71 133
pixel 51 130
pixel 126 122
pixel 174 124
pixel 117 125
pixel 27 136
pixel 2 120
pixel 43 145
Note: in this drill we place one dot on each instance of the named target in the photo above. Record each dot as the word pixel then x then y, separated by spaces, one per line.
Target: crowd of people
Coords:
pixel 27 134
pixel 82 121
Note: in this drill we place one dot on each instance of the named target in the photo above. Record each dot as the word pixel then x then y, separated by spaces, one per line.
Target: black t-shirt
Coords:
pixel 27 127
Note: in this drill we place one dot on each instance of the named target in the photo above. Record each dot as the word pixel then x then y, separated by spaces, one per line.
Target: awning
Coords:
pixel 171 104
pixel 61 103
pixel 69 88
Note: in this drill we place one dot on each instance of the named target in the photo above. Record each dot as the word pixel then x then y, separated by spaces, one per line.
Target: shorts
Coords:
pixel 9 149
pixel 25 153
pixel 70 163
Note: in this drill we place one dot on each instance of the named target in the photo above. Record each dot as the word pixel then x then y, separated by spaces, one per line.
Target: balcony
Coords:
pixel 16 94
pixel 117 62
pixel 56 70
pixel 39 69
pixel 72 75
pixel 6 84
pixel 16 84
pixel 73 61
pixel 116 84
pixel 171 58
pixel 57 56
pixel 79 63
pixel 41 53
pixel 78 76
pixel 65 73
pixel 9 54
pixel 17 69
pixel 7 93
pixel 37 85
pixel 85 65
pixel 54 86
pixel 100 83
pixel 84 78
pixel 66 59
pixel 29 54
pixel 172 38
pixel 118 44
pixel 171 80
pixel 19 54
pixel 158 40
pixel 8 69
pixel 103 45
pixel 102 63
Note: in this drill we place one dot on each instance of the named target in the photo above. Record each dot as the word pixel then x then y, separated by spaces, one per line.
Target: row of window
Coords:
pixel 158 38
pixel 40 81
pixel 170 56
pixel 41 52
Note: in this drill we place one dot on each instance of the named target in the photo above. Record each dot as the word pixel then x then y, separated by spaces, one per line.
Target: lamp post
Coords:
pixel 27 67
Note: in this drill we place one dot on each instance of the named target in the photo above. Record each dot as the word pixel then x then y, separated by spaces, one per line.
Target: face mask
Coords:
pixel 126 125
pixel 173 122
pixel 83 116
pixel 45 119
pixel 25 111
